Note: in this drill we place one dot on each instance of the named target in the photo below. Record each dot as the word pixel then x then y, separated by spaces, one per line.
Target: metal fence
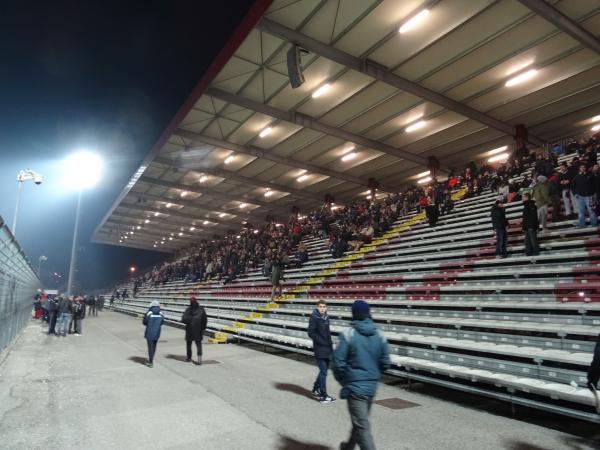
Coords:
pixel 18 284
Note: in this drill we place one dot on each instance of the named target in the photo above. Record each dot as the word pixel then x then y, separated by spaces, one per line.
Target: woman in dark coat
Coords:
pixel 195 320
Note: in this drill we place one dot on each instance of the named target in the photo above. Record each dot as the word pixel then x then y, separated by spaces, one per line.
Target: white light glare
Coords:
pixel 348 156
pixel 243 205
pixel 180 234
pixel 170 238
pixel 222 215
pixel 497 150
pixel 424 180
pixel 596 128
pixel 169 205
pixel 423 174
pixel 229 159
pixel 415 126
pixel 192 228
pixel 156 214
pixel 321 90
pixel 595 118
pixel 521 78
pixel 268 193
pixel 203 178
pixel 83 169
pixel 414 21
pixel 138 227
pixel 146 221
pixel 301 178
pixel 183 194
pixel 499 157
pixel 265 132
pixel 206 222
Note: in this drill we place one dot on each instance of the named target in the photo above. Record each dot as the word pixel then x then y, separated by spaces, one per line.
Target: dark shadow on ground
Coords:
pixel 578 443
pixel 179 358
pixel 138 359
pixel 520 445
pixel 288 443
pixel 294 388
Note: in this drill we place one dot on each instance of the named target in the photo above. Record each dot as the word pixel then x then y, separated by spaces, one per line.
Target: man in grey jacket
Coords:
pixel 360 357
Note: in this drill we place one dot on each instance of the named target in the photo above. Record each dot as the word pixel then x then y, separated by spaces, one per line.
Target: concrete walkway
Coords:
pixel 93 392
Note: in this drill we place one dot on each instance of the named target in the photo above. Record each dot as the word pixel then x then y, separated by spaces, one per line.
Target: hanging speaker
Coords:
pixel 294 65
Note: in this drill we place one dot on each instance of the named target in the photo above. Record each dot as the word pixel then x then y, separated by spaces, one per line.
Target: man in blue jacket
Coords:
pixel 318 331
pixel 360 357
pixel 153 320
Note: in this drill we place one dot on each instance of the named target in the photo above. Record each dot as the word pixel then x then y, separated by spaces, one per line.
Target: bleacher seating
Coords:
pixel 519 328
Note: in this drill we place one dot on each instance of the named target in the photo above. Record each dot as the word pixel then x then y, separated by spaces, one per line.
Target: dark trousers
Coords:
pixel 77 325
pixel 188 347
pixel 359 408
pixel 531 242
pixel 52 320
pixel 500 241
pixel 321 381
pixel 151 350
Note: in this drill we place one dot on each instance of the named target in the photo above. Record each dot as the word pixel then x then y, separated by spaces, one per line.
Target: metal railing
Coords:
pixel 18 284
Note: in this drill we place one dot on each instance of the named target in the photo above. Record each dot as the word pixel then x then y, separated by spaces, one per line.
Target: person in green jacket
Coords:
pixel 541 195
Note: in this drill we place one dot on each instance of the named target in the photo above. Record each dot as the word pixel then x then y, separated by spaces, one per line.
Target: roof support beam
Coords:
pixel 246 215
pixel 227 174
pixel 563 23
pixel 382 74
pixel 266 155
pixel 309 122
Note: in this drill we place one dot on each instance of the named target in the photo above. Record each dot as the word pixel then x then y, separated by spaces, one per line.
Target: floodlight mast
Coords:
pixel 22 176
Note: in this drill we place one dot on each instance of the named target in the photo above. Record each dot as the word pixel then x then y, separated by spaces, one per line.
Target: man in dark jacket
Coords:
pixel 584 188
pixel 153 320
pixel 52 314
pixel 195 320
pixel 499 224
pixel 319 332
pixel 593 374
pixel 78 315
pixel 530 225
pixel 65 306
pixel 360 357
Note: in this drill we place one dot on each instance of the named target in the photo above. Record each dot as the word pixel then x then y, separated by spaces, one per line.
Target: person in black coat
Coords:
pixel 530 225
pixel 319 332
pixel 593 374
pixel 499 224
pixel 194 318
pixel 78 315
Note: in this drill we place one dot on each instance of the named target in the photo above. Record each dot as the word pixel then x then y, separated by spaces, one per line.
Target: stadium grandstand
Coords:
pixel 355 150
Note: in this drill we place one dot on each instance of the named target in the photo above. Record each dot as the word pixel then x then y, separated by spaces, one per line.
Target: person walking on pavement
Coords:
pixel 194 318
pixel 319 332
pixel 358 360
pixel 153 320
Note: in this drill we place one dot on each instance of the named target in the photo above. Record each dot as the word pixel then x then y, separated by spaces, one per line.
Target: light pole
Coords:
pixel 40 259
pixel 23 176
pixel 83 169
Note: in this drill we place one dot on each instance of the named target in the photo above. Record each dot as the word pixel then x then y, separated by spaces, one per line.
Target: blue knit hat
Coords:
pixel 360 310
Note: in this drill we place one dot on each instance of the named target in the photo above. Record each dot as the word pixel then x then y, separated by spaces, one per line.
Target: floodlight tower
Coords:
pixel 22 176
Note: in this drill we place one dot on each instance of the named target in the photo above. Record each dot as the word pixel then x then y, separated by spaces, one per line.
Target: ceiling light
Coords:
pixel 229 159
pixel 423 174
pixel 154 245
pixel 206 222
pixel 497 150
pixel 222 215
pixel 595 118
pixel 170 238
pixel 180 234
pixel 268 193
pixel 146 221
pixel 255 231
pixel 415 126
pixel 243 205
pixel 156 214
pixel 184 193
pixel 424 180
pixel 414 21
pixel 126 237
pixel 120 240
pixel 368 197
pixel 131 232
pixel 521 78
pixel 169 205
pixel 301 178
pixel 265 132
pixel 499 157
pixel 192 228
pixel 138 227
pixel 203 178
pixel 321 90
pixel 596 128
pixel 349 156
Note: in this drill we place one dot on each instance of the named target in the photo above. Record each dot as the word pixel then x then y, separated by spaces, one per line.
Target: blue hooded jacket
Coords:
pixel 359 358
pixel 153 321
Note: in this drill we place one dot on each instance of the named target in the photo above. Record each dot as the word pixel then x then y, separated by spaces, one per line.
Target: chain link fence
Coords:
pixel 18 284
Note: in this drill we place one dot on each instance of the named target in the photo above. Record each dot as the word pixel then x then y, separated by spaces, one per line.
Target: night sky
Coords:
pixel 105 76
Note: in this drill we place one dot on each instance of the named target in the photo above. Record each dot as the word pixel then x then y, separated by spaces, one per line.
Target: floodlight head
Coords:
pixel 29 174
pixel 83 169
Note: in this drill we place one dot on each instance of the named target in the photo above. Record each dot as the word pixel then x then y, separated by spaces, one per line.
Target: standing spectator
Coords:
pixel 530 225
pixel 194 318
pixel 360 357
pixel 53 314
pixel 65 306
pixel 276 277
pixel 593 374
pixel 153 321
pixel 541 195
pixel 78 315
pixel 564 179
pixel 555 196
pixel 319 332
pixel 91 301
pixel 584 187
pixel 499 224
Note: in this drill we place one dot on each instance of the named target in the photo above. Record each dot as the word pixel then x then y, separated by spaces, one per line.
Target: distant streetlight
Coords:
pixel 132 269
pixel 40 259
pixel 23 176
pixel 82 170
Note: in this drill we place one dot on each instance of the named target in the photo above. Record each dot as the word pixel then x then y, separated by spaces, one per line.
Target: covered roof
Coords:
pixel 386 86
